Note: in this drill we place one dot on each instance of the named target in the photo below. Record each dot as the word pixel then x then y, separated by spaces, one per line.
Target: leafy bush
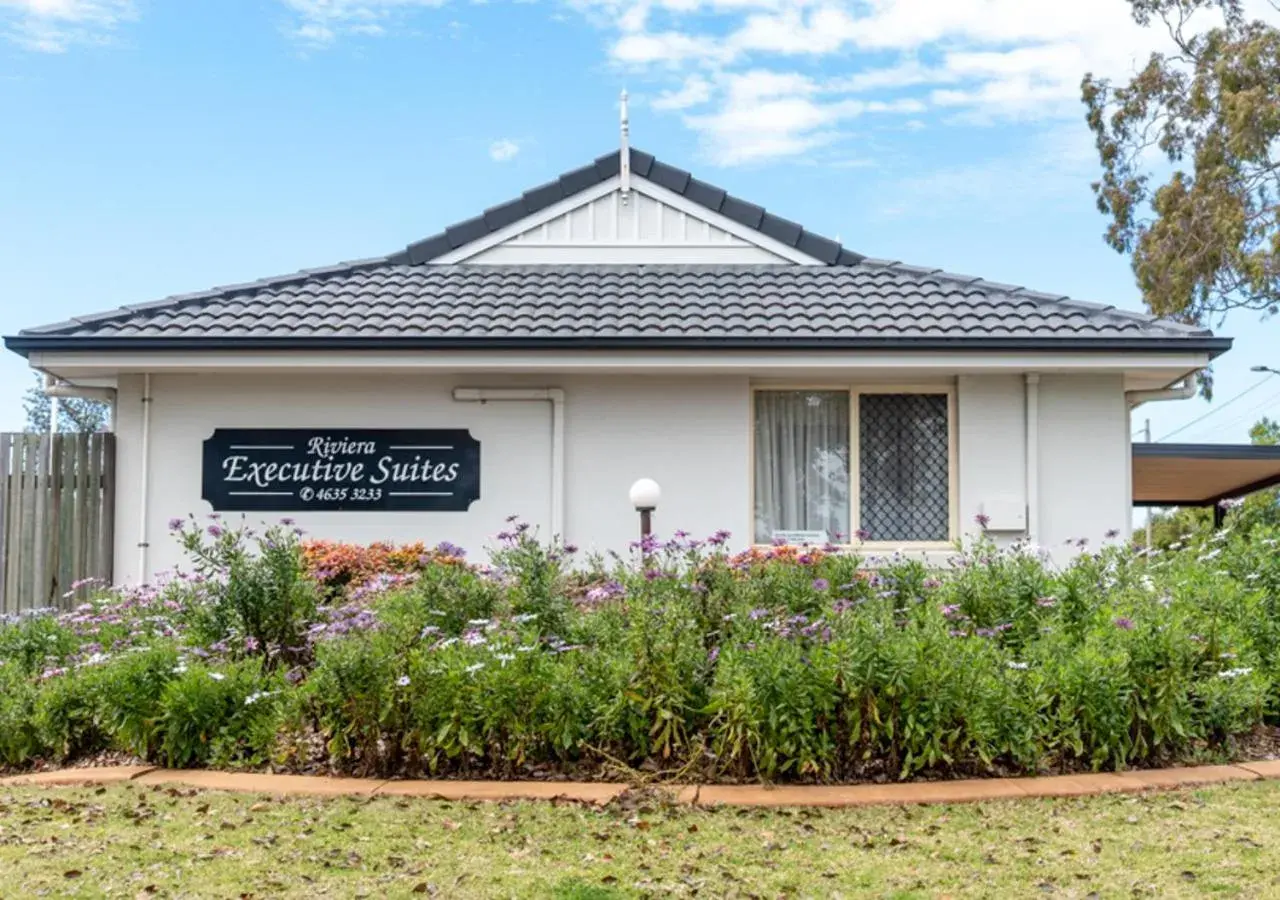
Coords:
pixel 777 663
pixel 33 642
pixel 261 602
pixel 130 704
pixel 351 696
pixel 66 715
pixel 338 567
pixel 222 717
pixel 19 743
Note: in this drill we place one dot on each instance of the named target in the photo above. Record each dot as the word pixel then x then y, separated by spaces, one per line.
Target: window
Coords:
pixel 898 442
pixel 904 467
pixel 802 463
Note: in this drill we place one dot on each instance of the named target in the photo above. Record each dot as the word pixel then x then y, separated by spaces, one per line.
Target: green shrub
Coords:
pixel 776 664
pixel 259 599
pixel 130 702
pixel 19 743
pixel 221 716
pixel 444 599
pixel 534 577
pixel 34 642
pixel 351 696
pixel 775 707
pixel 66 715
pixel 1231 703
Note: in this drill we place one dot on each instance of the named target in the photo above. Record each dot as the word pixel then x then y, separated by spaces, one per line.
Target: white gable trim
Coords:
pixel 724 223
pixel 679 254
pixel 502 235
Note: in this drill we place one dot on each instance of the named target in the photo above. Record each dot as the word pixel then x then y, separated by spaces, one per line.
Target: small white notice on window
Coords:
pixel 800 537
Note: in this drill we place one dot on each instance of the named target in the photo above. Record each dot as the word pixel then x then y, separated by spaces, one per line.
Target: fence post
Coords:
pixel 50 586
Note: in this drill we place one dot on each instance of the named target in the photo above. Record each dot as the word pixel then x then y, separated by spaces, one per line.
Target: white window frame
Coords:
pixel 856 391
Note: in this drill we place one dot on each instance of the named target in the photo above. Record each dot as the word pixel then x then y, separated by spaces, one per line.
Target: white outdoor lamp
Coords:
pixel 645 495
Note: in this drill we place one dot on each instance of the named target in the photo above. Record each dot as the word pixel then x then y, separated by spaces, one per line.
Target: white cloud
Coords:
pixel 765 115
pixel 51 26
pixel 976 61
pixel 503 150
pixel 319 23
pixel 695 91
pixel 668 48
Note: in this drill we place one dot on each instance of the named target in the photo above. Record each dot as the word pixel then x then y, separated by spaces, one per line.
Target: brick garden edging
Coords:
pixel 831 796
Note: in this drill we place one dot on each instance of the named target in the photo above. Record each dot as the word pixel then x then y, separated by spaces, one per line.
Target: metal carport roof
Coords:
pixel 1201 474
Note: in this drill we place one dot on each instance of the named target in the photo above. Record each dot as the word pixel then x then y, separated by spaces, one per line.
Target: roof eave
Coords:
pixel 24 344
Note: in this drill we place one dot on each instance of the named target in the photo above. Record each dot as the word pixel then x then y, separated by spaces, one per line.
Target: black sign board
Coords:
pixel 293 469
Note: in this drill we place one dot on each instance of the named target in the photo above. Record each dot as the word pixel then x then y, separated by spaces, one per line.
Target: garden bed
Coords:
pixel 684 663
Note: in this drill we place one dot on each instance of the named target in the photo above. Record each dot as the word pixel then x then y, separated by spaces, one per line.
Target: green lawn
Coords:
pixel 131 841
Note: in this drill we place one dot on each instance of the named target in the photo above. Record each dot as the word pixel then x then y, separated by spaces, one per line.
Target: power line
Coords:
pixel 1243 417
pixel 1217 409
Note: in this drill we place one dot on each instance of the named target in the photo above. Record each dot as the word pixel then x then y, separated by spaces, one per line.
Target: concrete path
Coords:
pixel 914 792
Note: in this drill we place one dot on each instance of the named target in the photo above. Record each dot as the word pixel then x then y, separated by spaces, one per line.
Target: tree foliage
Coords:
pixel 74 413
pixel 1190 153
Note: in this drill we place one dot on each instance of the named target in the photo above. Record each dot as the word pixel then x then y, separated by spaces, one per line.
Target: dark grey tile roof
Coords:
pixel 376 303
pixel 404 300
pixel 646 166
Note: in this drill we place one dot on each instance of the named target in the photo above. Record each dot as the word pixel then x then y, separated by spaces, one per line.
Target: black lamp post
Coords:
pixel 645 495
pixel 1267 369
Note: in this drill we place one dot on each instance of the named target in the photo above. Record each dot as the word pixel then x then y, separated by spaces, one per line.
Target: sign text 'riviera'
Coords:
pixel 289 469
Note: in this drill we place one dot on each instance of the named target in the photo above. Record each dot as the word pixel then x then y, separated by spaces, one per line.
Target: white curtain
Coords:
pixel 801 463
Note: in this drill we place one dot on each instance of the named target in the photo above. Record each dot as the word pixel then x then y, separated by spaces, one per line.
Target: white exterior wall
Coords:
pixel 692 434
pixel 1085 469
pixel 1084 463
pixel 992 448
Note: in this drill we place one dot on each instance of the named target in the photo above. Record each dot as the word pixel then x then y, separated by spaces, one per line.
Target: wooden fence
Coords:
pixel 57 507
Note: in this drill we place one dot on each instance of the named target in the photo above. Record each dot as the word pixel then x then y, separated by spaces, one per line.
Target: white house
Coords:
pixel 625 320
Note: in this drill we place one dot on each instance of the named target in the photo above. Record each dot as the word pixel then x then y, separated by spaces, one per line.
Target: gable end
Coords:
pixel 668 217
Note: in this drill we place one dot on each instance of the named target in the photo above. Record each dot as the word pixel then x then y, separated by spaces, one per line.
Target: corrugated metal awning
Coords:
pixel 1201 474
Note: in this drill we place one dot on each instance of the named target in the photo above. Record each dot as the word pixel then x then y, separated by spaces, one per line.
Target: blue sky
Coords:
pixel 151 147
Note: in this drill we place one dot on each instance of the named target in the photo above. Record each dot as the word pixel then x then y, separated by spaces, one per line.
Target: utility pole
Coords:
pixel 1147 432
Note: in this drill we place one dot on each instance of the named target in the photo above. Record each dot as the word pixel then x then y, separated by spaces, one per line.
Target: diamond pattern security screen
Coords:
pixel 904 470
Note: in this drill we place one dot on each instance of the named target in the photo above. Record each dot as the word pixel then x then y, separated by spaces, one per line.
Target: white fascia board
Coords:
pixel 760 363
pixel 519 227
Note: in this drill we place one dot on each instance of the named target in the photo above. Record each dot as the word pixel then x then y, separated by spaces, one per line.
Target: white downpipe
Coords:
pixel 1033 457
pixel 144 491
pixel 554 396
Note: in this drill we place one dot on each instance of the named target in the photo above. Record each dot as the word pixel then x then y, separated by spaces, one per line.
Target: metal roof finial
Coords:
pixel 624 156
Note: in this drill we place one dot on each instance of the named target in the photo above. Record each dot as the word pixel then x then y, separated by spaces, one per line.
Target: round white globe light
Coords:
pixel 645 494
